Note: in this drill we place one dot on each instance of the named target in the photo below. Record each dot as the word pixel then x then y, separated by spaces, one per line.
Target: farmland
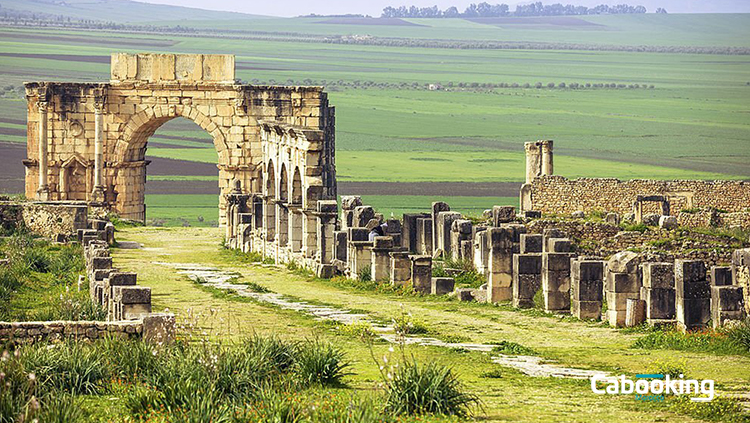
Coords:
pixel 686 120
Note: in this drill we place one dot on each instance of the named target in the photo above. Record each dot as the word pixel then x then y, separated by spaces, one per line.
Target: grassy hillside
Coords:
pixel 120 11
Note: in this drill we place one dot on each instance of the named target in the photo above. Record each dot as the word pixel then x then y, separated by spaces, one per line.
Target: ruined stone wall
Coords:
pixel 83 124
pixel 30 332
pixel 559 195
pixel 45 219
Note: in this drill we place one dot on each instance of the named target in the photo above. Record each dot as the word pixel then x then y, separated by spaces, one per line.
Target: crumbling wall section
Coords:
pixel 559 195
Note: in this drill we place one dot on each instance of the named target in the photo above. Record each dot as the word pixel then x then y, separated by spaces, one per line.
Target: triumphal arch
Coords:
pixel 87 141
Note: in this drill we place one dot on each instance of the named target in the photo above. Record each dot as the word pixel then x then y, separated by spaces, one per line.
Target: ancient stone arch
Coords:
pixel 106 126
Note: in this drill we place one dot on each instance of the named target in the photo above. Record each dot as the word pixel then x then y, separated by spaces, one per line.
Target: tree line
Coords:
pixel 486 10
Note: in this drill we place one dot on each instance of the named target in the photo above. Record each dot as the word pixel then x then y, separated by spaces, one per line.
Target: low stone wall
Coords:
pixel 45 218
pixel 559 195
pixel 30 332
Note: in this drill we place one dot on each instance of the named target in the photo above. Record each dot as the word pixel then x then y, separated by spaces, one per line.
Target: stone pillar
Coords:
pixel 98 192
pixel 741 273
pixel 556 282
pixel 42 192
pixel 437 207
pixel 622 284
pixel 693 293
pixel 400 268
pixel 295 229
pixel 533 161
pixel 500 268
pixel 443 238
pixel 348 203
pixel 409 231
pixel 527 279
pixel 481 251
pixel 559 245
pixel 327 212
pixel 658 292
pixel 269 224
pixel 635 312
pixel 381 258
pixel 424 236
pixel 550 233
pixel 421 273
pixel 460 231
pixel 727 303
pixel 340 246
pixel 587 286
pixel 547 165
pixel 309 233
pixel 282 225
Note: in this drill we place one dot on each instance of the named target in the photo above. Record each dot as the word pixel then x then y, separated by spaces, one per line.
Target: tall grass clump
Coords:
pixel 415 388
pixel 320 363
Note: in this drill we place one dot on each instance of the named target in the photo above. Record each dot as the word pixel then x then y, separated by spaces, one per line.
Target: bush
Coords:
pixel 406 324
pixel 320 363
pixel 512 348
pixel 429 388
pixel 365 274
pixel 675 369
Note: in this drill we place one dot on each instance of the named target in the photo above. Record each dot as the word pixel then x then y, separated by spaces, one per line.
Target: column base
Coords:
pixel 42 194
pixel 97 195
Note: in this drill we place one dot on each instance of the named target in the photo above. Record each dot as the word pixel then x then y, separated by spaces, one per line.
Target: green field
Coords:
pixel 693 123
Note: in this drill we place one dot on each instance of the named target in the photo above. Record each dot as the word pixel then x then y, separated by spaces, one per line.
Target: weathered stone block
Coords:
pixel 586 310
pixel 635 312
pixel 660 303
pixel 623 262
pixel 527 264
pixel 503 214
pixel 658 275
pixel 530 243
pixel 619 300
pixel 555 301
pixel 442 286
pixel 159 328
pixel 727 298
pixel 421 273
pixel 721 275
pixel 693 313
pixel 559 245
pixel 132 294
pixel 623 282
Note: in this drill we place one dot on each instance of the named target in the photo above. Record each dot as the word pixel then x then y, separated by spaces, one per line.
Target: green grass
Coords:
pixel 182 209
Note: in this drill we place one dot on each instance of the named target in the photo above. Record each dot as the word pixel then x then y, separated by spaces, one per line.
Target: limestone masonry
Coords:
pixel 87 141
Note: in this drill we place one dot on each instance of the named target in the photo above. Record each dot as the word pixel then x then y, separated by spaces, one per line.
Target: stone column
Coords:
pixel 527 279
pixel 443 237
pixel 622 284
pixel 381 258
pixel 295 229
pixel 500 266
pixel 587 286
pixel 98 192
pixel 309 234
pixel 42 193
pixel 556 281
pixel 421 273
pixel 327 211
pixel 437 207
pixel 533 161
pixel 547 166
pixel 400 268
pixel 693 294
pixel 424 236
pixel 658 292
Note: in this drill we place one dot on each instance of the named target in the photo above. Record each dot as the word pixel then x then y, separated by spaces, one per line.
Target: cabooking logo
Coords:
pixel 653 387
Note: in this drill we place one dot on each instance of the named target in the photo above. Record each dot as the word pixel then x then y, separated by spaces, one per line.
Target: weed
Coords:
pixel 512 348
pixel 320 363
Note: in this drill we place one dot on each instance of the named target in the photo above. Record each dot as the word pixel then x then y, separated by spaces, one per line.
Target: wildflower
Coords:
pixel 32 377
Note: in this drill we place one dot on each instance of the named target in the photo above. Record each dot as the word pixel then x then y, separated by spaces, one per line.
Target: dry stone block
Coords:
pixel 442 286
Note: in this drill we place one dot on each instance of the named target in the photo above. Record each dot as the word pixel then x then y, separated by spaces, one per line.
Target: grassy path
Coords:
pixel 510 397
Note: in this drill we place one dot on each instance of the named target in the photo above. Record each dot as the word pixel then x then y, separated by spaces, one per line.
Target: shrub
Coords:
pixel 69 367
pixel 271 352
pixel 721 409
pixel 512 348
pixel 406 324
pixel 429 388
pixel 320 363
pixel 732 339
pixel 361 329
pixel 365 274
pixel 635 227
